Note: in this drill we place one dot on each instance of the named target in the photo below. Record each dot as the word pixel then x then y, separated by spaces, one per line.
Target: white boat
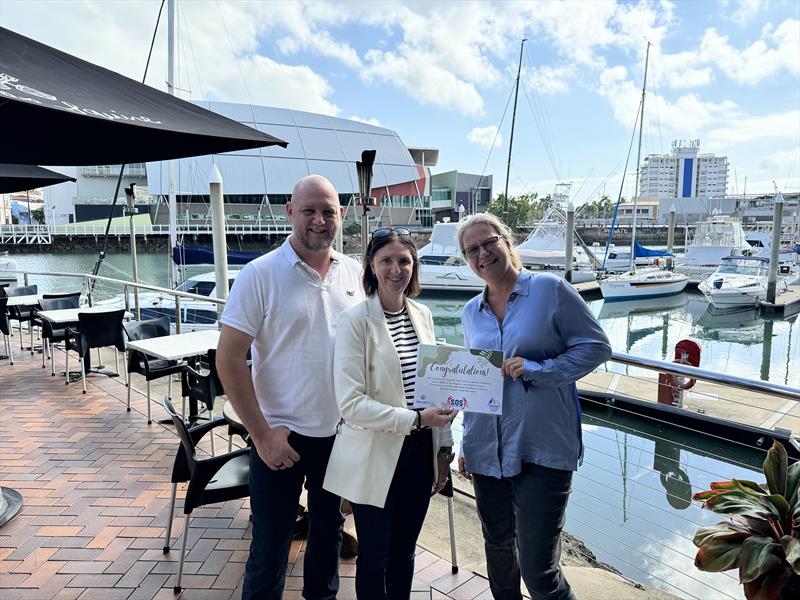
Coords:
pixel 545 247
pixel 6 276
pixel 643 283
pixel 714 239
pixel 441 266
pixel 195 314
pixel 649 282
pixel 739 281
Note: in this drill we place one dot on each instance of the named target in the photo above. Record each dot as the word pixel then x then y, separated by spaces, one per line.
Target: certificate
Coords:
pixel 465 379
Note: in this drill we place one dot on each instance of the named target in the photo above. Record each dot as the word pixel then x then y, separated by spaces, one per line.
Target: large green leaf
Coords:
pixel 769 586
pixel 776 466
pixel 759 555
pixel 748 487
pixel 718 555
pixel 735 502
pixel 755 525
pixel 725 530
pixel 705 495
pixel 793 484
pixel 791 548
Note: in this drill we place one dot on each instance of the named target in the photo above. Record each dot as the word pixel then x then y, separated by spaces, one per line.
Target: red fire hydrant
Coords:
pixel 671 388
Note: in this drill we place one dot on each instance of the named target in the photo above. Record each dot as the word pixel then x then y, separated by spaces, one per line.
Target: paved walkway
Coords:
pixel 95 483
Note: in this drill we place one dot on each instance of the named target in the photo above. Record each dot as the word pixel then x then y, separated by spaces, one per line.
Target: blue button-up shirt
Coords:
pixel 549 325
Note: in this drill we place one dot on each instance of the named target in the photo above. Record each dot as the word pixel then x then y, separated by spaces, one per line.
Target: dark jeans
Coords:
pixel 387 537
pixel 273 500
pixel 522 518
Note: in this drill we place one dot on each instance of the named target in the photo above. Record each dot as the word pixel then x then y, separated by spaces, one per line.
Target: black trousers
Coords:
pixel 522 518
pixel 387 537
pixel 273 501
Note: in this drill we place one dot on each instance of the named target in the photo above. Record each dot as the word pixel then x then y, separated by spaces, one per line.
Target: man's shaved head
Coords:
pixel 315 212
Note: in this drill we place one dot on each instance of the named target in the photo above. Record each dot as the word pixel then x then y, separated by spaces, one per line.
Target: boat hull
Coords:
pixel 627 287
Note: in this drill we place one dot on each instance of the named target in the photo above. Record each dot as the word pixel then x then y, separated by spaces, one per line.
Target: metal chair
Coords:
pixel 95 330
pixel 215 479
pixel 21 314
pixel 151 368
pixel 51 334
pixel 5 328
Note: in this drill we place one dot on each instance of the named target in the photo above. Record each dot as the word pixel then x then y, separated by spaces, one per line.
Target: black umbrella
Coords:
pixel 18 178
pixel 56 109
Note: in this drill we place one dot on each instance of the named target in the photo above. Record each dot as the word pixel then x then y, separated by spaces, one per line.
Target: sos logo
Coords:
pixel 457 403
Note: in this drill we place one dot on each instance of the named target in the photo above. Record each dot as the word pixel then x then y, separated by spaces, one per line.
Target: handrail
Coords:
pixel 125 283
pixel 752 385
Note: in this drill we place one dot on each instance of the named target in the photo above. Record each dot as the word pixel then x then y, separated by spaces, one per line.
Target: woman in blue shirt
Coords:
pixel 521 462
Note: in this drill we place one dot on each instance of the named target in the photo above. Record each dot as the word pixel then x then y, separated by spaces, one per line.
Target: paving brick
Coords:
pixel 97 491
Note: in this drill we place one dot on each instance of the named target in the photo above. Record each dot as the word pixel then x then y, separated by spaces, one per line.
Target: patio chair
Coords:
pixel 21 314
pixel 95 330
pixel 214 479
pixel 202 388
pixel 150 367
pixel 5 328
pixel 51 335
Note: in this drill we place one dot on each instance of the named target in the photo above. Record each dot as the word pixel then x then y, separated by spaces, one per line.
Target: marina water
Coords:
pixel 631 495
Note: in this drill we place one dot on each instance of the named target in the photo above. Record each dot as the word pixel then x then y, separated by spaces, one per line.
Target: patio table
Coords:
pixel 69 316
pixel 180 346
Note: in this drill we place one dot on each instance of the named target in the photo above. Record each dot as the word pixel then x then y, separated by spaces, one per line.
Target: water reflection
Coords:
pixel 632 498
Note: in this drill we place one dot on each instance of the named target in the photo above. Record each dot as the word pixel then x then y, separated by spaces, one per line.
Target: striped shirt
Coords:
pixel 406 343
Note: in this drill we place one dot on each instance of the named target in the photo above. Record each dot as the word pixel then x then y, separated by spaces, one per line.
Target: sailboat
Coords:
pixel 648 282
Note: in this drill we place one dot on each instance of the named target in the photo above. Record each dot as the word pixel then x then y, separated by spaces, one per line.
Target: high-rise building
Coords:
pixel 684 173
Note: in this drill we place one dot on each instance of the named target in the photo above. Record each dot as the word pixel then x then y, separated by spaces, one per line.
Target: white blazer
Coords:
pixel 369 391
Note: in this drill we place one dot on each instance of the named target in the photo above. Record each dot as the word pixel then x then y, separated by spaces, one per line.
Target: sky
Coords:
pixel 441 74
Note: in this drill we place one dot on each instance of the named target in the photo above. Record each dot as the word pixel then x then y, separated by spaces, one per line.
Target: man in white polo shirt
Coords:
pixel 285 305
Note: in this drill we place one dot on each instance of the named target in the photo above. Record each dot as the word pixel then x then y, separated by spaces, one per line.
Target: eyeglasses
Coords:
pixel 473 251
pixel 384 231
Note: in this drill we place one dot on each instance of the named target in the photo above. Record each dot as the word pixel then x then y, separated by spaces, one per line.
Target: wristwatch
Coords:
pixel 446 453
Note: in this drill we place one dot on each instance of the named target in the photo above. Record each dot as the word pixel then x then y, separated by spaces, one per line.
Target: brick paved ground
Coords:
pixel 95 483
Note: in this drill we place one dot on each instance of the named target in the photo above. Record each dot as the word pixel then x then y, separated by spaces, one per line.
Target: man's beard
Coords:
pixel 315 245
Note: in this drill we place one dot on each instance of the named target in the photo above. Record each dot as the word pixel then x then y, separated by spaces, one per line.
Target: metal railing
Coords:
pixel 13 234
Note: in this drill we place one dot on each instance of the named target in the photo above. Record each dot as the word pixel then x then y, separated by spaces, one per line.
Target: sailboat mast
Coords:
pixel 511 139
pixel 638 162
pixel 173 204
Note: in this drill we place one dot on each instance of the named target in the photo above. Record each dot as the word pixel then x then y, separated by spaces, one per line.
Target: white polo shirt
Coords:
pixel 291 312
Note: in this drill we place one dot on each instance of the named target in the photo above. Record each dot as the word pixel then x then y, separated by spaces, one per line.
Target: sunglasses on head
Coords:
pixel 384 231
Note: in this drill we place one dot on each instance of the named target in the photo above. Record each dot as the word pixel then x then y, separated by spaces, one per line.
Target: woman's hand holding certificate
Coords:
pixel 458 378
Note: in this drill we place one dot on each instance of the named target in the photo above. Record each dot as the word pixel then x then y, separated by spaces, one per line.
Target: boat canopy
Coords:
pixel 640 251
pixel 203 255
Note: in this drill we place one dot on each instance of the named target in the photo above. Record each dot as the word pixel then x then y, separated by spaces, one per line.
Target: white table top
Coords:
pixel 29 300
pixel 176 347
pixel 70 315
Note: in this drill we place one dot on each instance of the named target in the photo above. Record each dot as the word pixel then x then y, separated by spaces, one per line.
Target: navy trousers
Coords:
pixel 522 518
pixel 274 496
pixel 387 537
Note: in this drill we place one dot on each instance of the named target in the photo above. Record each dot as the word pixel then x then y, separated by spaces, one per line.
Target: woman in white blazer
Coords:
pixel 388 459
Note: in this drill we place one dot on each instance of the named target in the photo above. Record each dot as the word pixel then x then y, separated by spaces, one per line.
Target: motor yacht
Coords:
pixel 739 281
pixel 715 238
pixel 7 274
pixel 195 314
pixel 441 266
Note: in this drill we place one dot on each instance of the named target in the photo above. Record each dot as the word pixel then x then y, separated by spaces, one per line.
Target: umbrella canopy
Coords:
pixel 18 178
pixel 56 109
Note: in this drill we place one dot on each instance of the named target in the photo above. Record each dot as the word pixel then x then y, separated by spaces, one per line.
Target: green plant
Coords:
pixel 352 229
pixel 762 537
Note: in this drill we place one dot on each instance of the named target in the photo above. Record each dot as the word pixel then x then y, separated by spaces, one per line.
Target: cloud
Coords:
pixel 488 136
pixel 776 126
pixel 369 121
pixel 549 80
pixel 745 11
pixel 781 160
pixel 776 51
